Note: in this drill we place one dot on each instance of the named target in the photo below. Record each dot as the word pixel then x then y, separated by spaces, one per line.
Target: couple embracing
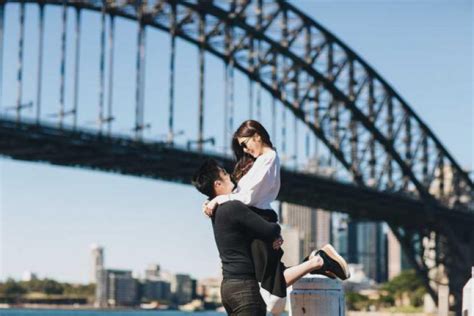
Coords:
pixel 246 231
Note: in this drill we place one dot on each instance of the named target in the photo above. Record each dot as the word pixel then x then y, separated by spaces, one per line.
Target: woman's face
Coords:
pixel 252 145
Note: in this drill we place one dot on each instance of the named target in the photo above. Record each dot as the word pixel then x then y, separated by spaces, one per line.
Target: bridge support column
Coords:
pixel 317 295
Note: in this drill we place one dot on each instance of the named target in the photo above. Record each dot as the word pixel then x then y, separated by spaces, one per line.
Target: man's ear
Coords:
pixel 217 183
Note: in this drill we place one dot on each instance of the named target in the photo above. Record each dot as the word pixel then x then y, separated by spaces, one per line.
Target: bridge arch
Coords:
pixel 343 97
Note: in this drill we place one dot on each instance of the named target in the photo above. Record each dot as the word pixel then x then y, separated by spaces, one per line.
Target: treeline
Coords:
pixel 405 289
pixel 17 289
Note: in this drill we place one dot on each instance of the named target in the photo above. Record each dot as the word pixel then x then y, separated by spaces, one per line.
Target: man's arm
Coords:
pixel 260 228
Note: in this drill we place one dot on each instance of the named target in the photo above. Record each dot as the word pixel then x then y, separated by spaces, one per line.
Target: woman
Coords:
pixel 257 174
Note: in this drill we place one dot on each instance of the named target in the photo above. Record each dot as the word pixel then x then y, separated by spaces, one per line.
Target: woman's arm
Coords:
pixel 259 179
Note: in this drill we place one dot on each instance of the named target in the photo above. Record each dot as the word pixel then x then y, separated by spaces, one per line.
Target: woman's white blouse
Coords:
pixel 260 185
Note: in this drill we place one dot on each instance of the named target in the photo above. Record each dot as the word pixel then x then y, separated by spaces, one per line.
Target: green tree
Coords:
pixel 46 286
pixel 34 285
pixel 79 290
pixel 13 289
pixel 357 302
pixel 407 282
pixel 52 287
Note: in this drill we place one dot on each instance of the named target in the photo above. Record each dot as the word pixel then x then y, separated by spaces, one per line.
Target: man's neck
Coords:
pixel 225 192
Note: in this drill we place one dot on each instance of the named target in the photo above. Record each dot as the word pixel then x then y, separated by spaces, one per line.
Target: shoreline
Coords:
pixel 71 307
pixel 88 308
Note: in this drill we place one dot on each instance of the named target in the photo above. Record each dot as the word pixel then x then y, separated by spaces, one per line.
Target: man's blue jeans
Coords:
pixel 242 298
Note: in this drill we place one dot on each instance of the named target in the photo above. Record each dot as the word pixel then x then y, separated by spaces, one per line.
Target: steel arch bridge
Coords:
pixel 400 171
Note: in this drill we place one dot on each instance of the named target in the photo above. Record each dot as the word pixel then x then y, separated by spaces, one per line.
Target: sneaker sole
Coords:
pixel 330 251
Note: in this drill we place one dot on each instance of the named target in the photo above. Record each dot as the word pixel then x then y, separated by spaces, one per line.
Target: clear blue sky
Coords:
pixel 50 215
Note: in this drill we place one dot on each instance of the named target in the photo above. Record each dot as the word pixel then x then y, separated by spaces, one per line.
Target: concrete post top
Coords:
pixel 317 282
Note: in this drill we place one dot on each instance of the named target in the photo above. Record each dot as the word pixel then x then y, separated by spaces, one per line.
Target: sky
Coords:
pixel 51 215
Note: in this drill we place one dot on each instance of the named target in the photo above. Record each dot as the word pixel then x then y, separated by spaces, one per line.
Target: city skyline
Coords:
pixel 144 273
pixel 50 215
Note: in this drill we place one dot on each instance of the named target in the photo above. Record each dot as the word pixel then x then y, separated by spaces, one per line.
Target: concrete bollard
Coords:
pixel 317 295
pixel 468 297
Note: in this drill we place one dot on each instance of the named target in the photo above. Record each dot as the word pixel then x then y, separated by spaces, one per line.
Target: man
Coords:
pixel 235 226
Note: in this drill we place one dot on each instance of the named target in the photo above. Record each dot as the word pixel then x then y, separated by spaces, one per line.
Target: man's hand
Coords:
pixel 208 207
pixel 277 243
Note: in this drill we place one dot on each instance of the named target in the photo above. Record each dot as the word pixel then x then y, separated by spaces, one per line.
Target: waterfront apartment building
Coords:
pixel 97 262
pixel 314 225
pixel 156 290
pixel 292 246
pixel 152 272
pixel 397 261
pixel 340 236
pixel 182 289
pixel 210 290
pixel 366 245
pixel 116 288
pixel 154 287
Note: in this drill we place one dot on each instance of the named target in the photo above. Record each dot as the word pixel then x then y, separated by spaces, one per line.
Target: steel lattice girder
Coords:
pixel 368 127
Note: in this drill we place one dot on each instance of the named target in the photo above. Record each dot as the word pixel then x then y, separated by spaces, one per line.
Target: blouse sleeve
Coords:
pixel 261 176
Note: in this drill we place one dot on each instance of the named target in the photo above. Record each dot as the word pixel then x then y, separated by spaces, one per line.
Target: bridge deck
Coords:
pixel 87 149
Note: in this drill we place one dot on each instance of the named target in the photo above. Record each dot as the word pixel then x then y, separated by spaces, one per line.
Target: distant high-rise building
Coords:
pixel 101 288
pixel 122 288
pixel 340 235
pixel 168 277
pixel 29 276
pixel 154 287
pixel 97 262
pixel 210 290
pixel 323 228
pixel 156 290
pixel 292 245
pixel 194 284
pixel 366 244
pixel 116 288
pixel 182 289
pixel 371 244
pixel 352 245
pixel 397 261
pixel 313 224
pixel 152 272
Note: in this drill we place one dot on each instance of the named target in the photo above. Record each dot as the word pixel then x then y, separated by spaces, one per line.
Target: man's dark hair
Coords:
pixel 203 179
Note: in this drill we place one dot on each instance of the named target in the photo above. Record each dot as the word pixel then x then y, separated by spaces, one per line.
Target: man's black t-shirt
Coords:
pixel 235 226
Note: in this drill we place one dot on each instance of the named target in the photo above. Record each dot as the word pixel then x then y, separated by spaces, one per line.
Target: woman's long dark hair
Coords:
pixel 245 161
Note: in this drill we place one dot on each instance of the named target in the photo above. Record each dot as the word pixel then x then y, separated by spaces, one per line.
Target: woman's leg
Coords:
pixel 293 274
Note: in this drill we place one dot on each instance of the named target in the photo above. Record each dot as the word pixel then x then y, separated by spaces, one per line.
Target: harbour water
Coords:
pixel 55 312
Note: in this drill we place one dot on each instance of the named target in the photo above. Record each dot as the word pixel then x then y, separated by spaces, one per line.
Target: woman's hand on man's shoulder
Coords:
pixel 208 207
